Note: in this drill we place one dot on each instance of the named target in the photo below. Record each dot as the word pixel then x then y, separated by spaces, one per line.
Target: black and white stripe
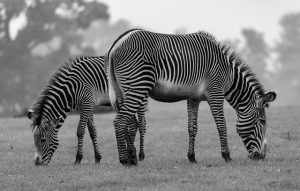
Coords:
pixel 79 84
pixel 193 67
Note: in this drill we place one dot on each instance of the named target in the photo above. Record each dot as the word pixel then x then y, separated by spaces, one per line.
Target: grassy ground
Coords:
pixel 166 166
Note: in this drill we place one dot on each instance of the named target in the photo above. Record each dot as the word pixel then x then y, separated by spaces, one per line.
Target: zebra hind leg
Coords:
pixel 130 137
pixel 93 135
pixel 122 138
pixel 192 107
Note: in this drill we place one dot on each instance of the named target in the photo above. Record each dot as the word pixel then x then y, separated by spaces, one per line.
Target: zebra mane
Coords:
pixel 208 36
pixel 236 61
pixel 38 106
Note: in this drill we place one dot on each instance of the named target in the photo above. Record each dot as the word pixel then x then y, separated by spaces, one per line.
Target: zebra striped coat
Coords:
pixel 193 67
pixel 79 84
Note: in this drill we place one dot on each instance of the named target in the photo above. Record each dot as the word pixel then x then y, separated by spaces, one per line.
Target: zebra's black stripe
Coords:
pixel 193 67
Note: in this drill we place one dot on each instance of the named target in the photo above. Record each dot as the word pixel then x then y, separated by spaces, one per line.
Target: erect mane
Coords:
pixel 208 36
pixel 235 61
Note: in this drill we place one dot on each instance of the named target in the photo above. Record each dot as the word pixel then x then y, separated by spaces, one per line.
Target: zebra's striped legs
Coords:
pixel 123 136
pixel 93 135
pixel 80 135
pixel 192 107
pixel 130 134
pixel 142 129
pixel 216 106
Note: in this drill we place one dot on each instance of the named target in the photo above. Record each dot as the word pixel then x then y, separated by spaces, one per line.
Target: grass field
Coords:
pixel 166 166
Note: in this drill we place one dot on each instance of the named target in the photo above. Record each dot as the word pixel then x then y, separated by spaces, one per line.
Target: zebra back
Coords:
pixel 65 90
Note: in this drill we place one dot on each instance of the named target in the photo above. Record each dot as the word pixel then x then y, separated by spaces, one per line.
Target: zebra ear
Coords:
pixel 31 115
pixel 269 97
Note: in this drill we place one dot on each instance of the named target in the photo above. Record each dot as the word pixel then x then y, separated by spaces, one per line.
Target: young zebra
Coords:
pixel 79 84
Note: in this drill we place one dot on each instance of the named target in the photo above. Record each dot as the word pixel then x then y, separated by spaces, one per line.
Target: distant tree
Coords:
pixel 102 34
pixel 256 52
pixel 48 22
pixel 288 50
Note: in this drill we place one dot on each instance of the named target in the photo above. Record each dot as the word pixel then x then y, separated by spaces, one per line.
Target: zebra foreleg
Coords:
pixel 142 129
pixel 93 135
pixel 192 107
pixel 216 107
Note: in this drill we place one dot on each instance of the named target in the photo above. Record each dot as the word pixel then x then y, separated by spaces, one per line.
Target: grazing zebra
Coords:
pixel 79 84
pixel 193 67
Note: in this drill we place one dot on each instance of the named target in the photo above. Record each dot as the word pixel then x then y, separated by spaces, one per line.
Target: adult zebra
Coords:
pixel 193 67
pixel 79 84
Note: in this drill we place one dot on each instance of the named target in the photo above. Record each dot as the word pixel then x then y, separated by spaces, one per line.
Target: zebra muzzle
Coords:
pixel 260 155
pixel 37 160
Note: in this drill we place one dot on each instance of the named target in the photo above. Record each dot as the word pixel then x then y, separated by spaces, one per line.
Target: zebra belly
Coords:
pixel 165 91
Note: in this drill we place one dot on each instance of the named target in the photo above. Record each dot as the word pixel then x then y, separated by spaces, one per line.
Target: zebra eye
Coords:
pixel 262 121
pixel 43 140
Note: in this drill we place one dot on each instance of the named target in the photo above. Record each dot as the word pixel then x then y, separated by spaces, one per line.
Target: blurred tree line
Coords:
pixel 54 30
pixel 278 65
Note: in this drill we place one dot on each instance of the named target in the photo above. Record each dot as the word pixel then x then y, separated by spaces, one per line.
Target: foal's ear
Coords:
pixel 31 114
pixel 269 97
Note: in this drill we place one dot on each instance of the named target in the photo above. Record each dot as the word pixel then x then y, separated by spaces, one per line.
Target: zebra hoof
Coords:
pixel 141 156
pixel 124 162
pixel 226 156
pixel 132 159
pixel 133 162
pixel 192 158
pixel 78 159
pixel 98 158
pixel 77 162
pixel 129 162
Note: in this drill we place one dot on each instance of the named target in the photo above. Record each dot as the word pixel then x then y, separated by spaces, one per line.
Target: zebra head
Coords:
pixel 45 137
pixel 251 127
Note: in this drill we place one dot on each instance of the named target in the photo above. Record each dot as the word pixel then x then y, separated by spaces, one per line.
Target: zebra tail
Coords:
pixel 114 90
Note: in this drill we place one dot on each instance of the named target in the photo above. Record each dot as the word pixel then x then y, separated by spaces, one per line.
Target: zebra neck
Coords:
pixel 55 103
pixel 53 111
pixel 63 93
pixel 241 91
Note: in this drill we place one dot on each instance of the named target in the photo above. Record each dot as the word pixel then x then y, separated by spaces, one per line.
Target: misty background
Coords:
pixel 38 36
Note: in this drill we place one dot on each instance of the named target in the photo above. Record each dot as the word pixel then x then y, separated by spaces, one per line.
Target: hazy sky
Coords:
pixel 223 18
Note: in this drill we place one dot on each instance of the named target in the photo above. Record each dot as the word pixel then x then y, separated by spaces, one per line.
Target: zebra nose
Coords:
pixel 255 156
pixel 264 151
pixel 37 160
pixel 259 155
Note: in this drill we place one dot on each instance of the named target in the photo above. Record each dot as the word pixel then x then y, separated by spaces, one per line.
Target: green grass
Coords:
pixel 166 166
